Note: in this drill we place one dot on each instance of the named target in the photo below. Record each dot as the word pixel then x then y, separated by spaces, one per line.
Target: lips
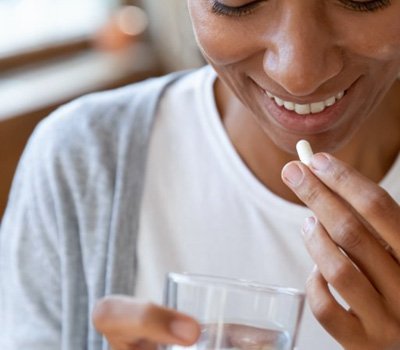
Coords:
pixel 307 118
pixel 307 108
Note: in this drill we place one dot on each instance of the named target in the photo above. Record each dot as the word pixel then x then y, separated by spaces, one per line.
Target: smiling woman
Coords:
pixel 195 172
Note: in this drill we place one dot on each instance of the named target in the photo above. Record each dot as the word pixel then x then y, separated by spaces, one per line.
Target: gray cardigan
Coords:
pixel 69 232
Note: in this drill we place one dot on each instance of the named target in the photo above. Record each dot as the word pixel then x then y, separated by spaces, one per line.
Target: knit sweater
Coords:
pixel 68 235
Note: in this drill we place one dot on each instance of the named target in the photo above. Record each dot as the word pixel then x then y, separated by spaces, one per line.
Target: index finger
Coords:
pixel 346 229
pixel 370 200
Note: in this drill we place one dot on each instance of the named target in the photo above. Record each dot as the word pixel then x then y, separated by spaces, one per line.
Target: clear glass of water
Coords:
pixel 236 314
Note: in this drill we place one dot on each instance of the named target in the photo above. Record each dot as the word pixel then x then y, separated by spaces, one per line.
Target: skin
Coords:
pixel 306 51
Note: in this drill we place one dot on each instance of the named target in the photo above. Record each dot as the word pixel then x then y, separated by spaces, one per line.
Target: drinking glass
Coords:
pixel 236 314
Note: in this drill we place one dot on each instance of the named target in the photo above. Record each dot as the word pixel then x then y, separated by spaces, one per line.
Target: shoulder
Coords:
pixel 104 117
pixel 101 111
pixel 101 120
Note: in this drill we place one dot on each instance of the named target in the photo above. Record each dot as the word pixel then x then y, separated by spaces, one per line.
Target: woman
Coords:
pixel 286 69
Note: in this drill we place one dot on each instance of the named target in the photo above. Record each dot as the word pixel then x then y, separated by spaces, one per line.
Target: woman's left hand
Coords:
pixel 354 240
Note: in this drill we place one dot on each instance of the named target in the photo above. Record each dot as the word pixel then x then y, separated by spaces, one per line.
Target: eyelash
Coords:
pixel 247 9
pixel 368 6
pixel 224 10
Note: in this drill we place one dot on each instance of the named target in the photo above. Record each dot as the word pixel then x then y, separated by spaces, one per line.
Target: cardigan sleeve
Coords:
pixel 54 235
pixel 30 303
pixel 68 235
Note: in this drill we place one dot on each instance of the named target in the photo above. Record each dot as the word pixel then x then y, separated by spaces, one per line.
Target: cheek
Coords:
pixel 222 41
pixel 224 47
pixel 384 49
pixel 377 39
pixel 387 52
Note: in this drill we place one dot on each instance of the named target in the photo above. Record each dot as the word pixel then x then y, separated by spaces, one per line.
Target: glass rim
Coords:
pixel 235 283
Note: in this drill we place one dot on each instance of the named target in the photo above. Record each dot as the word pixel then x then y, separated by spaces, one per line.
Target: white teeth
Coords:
pixel 278 101
pixel 317 107
pixel 340 95
pixel 289 106
pixel 330 101
pixel 303 109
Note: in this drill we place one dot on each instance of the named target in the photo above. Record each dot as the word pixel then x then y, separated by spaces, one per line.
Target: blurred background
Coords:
pixel 52 51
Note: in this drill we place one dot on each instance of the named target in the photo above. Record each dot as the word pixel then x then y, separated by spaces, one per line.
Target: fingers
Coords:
pixel 345 229
pixel 371 201
pixel 342 325
pixel 125 320
pixel 350 210
pixel 341 273
pixel 346 327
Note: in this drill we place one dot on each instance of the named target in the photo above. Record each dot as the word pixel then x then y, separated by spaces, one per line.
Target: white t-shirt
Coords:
pixel 205 212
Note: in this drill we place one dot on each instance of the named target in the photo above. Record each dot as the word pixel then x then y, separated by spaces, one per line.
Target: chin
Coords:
pixel 331 141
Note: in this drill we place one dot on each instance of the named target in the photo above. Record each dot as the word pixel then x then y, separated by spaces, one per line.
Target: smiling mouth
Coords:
pixel 309 108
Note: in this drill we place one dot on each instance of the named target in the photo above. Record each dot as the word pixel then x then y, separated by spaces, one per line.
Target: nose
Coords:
pixel 302 54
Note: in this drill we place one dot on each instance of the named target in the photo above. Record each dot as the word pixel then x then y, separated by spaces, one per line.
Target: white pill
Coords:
pixel 304 151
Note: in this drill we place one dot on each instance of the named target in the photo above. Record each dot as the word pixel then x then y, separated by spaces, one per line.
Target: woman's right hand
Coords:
pixel 129 323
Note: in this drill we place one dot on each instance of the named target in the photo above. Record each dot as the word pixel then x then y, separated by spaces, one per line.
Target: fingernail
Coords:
pixel 320 162
pixel 308 225
pixel 184 330
pixel 293 174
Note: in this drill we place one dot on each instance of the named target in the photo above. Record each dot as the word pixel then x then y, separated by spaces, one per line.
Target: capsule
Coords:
pixel 304 151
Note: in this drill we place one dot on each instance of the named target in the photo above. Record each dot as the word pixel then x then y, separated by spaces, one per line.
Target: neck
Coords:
pixel 372 151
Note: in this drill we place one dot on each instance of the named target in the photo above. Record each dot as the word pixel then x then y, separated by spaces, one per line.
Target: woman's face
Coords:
pixel 311 69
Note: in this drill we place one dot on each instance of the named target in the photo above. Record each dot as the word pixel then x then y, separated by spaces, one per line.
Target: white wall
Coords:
pixel 172 33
